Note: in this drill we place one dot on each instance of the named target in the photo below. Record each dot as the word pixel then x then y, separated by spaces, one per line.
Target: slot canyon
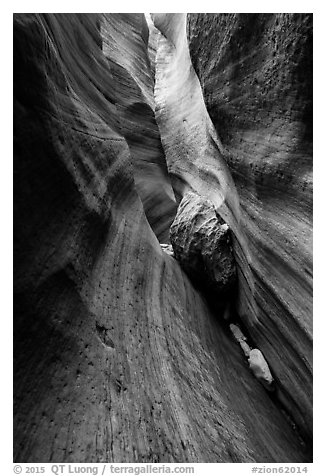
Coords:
pixel 163 238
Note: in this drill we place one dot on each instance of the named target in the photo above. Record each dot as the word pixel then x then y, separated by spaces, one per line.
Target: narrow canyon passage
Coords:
pixel 118 356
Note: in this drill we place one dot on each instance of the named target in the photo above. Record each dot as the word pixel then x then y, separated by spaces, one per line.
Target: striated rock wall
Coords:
pixel 116 356
pixel 252 157
pixel 134 98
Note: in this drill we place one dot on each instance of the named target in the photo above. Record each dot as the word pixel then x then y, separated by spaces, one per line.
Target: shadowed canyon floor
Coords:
pixel 118 355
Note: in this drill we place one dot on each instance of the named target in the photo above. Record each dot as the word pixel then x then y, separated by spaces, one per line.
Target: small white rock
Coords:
pixel 245 348
pixel 237 334
pixel 240 338
pixel 259 367
pixel 225 227
pixel 167 249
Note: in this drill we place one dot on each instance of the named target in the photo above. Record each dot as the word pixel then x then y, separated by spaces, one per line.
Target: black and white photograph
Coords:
pixel 162 241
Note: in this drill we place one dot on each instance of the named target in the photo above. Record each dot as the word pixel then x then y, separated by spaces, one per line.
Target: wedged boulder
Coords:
pixel 201 241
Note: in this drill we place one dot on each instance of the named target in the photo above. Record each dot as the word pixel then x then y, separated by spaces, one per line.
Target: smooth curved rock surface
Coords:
pixel 134 98
pixel 116 356
pixel 252 157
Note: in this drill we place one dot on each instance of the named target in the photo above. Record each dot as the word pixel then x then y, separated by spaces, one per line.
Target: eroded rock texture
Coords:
pixel 252 157
pixel 201 243
pixel 117 357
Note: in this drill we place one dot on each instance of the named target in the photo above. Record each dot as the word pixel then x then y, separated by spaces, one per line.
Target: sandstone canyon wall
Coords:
pixel 117 355
pixel 252 157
